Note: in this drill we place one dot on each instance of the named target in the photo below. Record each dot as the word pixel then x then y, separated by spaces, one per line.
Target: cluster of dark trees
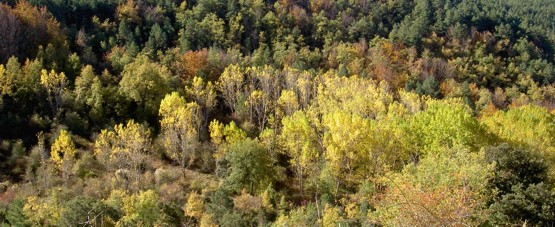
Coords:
pixel 285 113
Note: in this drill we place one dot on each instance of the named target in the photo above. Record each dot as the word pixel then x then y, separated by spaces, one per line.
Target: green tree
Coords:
pixel 250 166
pixel 415 25
pixel 89 92
pixel 445 123
pixel 83 210
pixel 157 39
pixel 519 189
pixel 145 83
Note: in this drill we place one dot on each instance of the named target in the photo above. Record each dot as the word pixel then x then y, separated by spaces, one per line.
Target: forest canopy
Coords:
pixel 277 113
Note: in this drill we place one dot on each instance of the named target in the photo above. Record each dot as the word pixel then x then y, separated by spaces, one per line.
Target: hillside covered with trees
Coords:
pixel 277 113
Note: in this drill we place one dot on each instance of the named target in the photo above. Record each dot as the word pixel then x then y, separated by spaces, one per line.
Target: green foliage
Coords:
pixel 15 215
pixel 250 166
pixel 515 166
pixel 519 187
pixel 278 112
pixel 445 123
pixel 533 204
pixel 82 211
pixel 144 83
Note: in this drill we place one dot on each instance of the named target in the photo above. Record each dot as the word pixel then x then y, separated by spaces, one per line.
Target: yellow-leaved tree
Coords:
pixel 180 123
pixel 55 84
pixel 347 143
pixel 62 153
pixel 204 94
pixel 528 126
pixel 6 83
pixel 299 139
pixel 230 85
pixel 124 148
pixel 224 135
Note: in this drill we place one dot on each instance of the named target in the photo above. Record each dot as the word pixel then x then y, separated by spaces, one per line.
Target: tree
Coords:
pixel 128 12
pixel 223 136
pixel 230 85
pixel 445 123
pixel 55 84
pixel 145 83
pixel 429 86
pixel 6 84
pixel 258 104
pixel 10 31
pixel 123 148
pixel 15 214
pixel 180 124
pixel 140 209
pixel 287 103
pixel 62 153
pixel 300 142
pixel 414 26
pixel 337 94
pixel 157 39
pixel 192 64
pixel 82 210
pixel 346 141
pixel 444 188
pixel 89 91
pixel 204 95
pixel 533 204
pixel 519 189
pixel 250 166
pixel 527 126
pixel 38 29
pixel 514 166
pixel 195 206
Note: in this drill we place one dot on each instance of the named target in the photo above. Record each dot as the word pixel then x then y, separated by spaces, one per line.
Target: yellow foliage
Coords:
pixel 195 206
pixel 288 102
pixel 203 93
pixel 180 124
pixel 124 147
pixel 43 211
pixel 52 81
pixel 354 95
pixel 207 221
pixel 230 85
pixel 233 133
pixel 6 82
pixel 216 132
pixel 346 139
pixel 299 139
pixel 331 216
pixel 63 150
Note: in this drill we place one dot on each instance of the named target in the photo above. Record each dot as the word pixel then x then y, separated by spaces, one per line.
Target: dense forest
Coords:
pixel 277 113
